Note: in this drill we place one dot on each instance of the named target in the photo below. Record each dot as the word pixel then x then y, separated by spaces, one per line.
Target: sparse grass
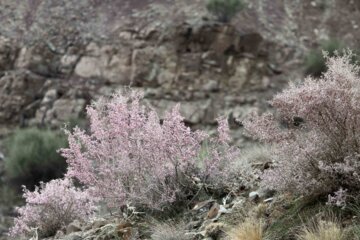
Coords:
pixel 290 214
pixel 169 231
pixel 322 230
pixel 250 229
pixel 354 211
pixel 355 230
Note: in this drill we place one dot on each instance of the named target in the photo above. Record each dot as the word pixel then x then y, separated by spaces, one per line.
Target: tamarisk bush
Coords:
pixel 129 156
pixel 51 207
pixel 315 133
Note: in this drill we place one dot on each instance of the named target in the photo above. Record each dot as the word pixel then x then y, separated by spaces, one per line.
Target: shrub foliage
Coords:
pixel 224 10
pixel 32 156
pixel 315 133
pixel 129 156
pixel 51 207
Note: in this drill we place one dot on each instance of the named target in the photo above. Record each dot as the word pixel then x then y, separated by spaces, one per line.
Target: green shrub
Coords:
pixel 315 62
pixel 32 156
pixel 224 10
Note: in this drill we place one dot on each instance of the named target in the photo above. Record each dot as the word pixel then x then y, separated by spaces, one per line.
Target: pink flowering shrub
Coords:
pixel 51 207
pixel 129 156
pixel 224 167
pixel 315 133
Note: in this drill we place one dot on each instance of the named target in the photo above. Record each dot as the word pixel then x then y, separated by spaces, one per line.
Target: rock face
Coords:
pixel 19 95
pixel 212 69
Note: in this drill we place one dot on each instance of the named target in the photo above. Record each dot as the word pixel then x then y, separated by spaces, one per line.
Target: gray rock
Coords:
pixel 99 223
pixel 253 196
pixel 76 236
pixel 88 67
pixel 75 226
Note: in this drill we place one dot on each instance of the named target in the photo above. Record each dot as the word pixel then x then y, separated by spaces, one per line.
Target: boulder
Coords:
pixel 75 226
pixel 8 53
pixel 88 67
pixel 107 64
pixel 19 91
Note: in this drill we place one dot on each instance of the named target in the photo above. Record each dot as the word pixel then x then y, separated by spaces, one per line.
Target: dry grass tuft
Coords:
pixel 169 231
pixel 249 230
pixel 322 230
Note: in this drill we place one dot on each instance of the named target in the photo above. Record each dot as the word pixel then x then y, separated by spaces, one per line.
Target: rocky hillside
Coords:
pixel 58 56
pixel 211 68
pixel 50 70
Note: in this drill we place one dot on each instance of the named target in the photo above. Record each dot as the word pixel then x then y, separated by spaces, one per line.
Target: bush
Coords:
pixel 245 169
pixel 32 156
pixel 224 10
pixel 315 133
pixel 51 207
pixel 315 63
pixel 129 157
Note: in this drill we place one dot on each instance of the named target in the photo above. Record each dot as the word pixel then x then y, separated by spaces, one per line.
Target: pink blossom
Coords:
pixel 129 156
pixel 315 132
pixel 52 206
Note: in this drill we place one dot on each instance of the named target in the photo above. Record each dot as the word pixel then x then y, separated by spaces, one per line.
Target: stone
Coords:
pixel 59 234
pixel 69 60
pixel 88 67
pixel 58 111
pixel 99 223
pixel 109 66
pixel 75 236
pixel 240 77
pixel 193 112
pixel 24 58
pixel 50 96
pixel 39 59
pixel 16 106
pixel 75 226
pixel 126 35
pixel 253 196
pixel 8 54
pixel 211 85
pixel 165 77
pixel 146 65
pixel 92 49
pixel 239 113
pixel 203 204
pixel 117 70
pixel 213 212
